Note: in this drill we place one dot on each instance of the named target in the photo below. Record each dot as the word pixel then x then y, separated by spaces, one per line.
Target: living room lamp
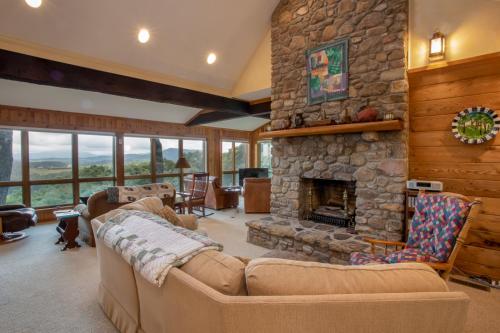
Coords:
pixel 182 163
pixel 437 45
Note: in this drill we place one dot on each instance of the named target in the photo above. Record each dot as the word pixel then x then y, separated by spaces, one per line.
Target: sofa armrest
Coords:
pixel 189 221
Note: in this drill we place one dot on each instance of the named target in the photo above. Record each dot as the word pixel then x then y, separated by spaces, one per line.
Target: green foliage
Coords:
pixel 137 168
pixel 196 160
pixel 95 171
pixel 51 195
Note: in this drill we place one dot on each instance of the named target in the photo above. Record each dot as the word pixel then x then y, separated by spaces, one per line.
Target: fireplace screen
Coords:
pixel 329 201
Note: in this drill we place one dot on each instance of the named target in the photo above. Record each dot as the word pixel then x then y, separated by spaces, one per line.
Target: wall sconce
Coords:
pixel 437 46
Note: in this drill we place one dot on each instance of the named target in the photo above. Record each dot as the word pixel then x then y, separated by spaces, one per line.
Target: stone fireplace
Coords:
pixel 328 201
pixel 376 162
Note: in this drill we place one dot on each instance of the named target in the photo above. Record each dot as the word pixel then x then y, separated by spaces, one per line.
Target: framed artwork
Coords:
pixel 475 125
pixel 327 72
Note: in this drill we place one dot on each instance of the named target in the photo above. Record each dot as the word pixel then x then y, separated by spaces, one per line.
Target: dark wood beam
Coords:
pixel 21 67
pixel 261 110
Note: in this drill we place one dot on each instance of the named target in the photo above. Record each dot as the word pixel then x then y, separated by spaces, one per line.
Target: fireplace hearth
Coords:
pixel 329 201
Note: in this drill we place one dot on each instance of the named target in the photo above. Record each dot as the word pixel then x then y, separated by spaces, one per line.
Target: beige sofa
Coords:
pixel 215 292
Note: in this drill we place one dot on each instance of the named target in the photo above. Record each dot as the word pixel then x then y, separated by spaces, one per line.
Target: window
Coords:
pixel 234 157
pixel 96 156
pixel 96 163
pixel 264 155
pixel 167 154
pixel 137 160
pixel 10 167
pixel 50 168
pixel 194 152
pixel 50 155
pixel 62 167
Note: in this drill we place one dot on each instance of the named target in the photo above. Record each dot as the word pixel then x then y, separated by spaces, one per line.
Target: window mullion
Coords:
pixel 25 160
pixel 74 157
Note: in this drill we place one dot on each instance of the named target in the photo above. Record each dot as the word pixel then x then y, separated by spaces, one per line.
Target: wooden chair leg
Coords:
pixel 446 274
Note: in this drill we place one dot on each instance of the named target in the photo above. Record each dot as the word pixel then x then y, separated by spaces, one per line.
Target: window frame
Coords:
pixel 79 180
pixel 181 174
pixel 16 183
pixel 117 179
pixel 152 160
pixel 234 170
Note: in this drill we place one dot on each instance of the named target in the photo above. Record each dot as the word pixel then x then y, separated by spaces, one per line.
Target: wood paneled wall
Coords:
pixel 57 120
pixel 436 96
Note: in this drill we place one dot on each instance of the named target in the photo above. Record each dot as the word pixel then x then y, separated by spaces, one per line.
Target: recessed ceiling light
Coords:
pixel 34 3
pixel 211 58
pixel 143 35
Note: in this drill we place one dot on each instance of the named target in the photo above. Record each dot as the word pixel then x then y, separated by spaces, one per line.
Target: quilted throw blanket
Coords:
pixel 151 244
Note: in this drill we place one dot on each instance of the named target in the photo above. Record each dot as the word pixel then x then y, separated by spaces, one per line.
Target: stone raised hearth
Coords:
pixel 323 243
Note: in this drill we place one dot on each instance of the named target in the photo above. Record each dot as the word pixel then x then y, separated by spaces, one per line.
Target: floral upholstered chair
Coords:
pixel 437 231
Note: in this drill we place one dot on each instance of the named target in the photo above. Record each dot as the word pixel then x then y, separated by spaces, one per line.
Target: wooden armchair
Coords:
pixel 195 192
pixel 443 267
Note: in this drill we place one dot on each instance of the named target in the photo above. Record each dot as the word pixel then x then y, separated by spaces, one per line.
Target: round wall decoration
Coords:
pixel 476 125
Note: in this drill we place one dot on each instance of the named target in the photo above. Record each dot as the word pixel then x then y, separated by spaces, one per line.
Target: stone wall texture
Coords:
pixel 377 32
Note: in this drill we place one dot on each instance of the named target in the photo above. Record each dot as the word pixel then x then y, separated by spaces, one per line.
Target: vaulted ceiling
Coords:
pixel 103 35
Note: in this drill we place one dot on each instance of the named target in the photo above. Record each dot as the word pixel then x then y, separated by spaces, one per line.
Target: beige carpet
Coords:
pixel 45 290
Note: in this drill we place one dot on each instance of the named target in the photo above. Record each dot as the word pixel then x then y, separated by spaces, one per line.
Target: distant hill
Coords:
pixel 169 153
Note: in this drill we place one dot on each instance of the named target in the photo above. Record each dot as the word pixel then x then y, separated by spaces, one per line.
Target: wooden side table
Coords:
pixel 67 229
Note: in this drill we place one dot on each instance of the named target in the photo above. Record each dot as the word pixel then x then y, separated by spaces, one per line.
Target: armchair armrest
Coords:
pixel 10 213
pixel 11 207
pixel 374 242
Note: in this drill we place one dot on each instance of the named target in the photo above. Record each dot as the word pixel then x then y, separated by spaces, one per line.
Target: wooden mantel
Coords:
pixel 376 126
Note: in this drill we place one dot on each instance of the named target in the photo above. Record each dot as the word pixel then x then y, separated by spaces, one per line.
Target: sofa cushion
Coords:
pixel 219 271
pixel 169 214
pixel 278 277
pixel 151 204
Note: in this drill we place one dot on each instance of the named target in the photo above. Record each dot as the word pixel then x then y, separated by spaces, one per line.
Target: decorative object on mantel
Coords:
pixel 375 126
pixel 475 125
pixel 323 121
pixel 367 114
pixel 327 72
pixel 297 121
pixel 345 117
pixel 388 115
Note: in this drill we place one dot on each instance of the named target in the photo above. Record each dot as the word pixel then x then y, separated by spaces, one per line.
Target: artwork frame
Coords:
pixel 328 80
pixel 475 125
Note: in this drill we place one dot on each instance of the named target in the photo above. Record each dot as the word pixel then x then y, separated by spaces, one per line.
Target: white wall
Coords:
pixel 472 28
pixel 255 81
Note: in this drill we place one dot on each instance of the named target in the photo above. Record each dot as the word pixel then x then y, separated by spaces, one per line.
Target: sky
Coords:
pixel 58 145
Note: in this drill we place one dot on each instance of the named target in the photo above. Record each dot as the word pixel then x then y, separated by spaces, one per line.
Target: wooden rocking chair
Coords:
pixel 443 268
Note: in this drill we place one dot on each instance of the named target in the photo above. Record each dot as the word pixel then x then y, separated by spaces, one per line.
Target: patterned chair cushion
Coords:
pixel 437 221
pixel 361 258
pixel 409 255
pixel 406 255
pixel 436 224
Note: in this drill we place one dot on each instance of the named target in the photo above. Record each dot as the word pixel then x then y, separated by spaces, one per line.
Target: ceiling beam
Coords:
pixel 21 67
pixel 261 110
